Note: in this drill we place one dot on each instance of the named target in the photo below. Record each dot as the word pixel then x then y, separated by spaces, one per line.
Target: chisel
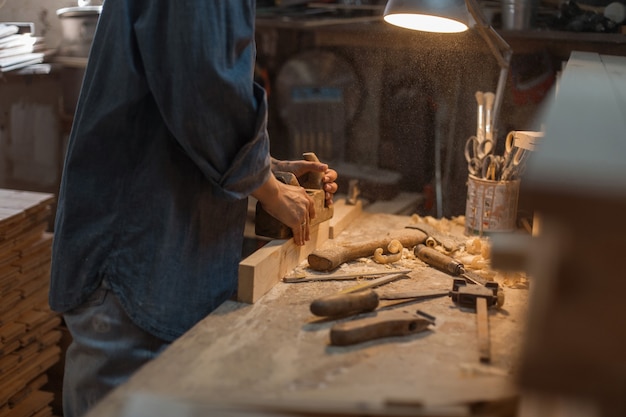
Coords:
pixel 345 304
pixel 453 267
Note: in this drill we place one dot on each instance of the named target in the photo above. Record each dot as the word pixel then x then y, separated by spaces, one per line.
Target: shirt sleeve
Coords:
pixel 198 57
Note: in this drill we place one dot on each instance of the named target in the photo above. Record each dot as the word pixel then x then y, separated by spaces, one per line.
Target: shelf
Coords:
pixel 376 34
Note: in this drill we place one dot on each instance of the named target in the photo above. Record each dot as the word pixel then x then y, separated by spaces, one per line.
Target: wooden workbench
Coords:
pixel 275 355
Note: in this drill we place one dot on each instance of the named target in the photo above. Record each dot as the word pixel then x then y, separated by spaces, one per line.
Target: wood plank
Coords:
pixel 259 272
pixel 40 296
pixel 25 200
pixel 32 403
pixel 28 372
pixel 8 363
pixel 34 385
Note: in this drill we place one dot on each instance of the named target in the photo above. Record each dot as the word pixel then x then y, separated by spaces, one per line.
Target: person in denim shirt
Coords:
pixel 169 139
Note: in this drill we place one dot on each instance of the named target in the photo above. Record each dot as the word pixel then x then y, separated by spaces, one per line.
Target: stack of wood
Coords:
pixel 29 330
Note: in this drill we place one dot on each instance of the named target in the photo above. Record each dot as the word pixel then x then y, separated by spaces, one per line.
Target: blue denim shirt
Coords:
pixel 169 139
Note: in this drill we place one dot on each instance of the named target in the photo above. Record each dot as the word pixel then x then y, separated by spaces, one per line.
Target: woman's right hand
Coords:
pixel 290 204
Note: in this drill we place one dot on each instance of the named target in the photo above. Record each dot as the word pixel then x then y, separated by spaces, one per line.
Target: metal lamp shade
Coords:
pixel 443 16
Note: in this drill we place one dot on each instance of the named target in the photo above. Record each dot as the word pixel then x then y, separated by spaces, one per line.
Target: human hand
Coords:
pixel 289 204
pixel 302 169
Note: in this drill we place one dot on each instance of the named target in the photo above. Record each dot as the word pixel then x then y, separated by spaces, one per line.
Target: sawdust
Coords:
pixel 473 252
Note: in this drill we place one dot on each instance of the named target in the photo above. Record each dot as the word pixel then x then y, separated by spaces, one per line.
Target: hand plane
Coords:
pixel 268 226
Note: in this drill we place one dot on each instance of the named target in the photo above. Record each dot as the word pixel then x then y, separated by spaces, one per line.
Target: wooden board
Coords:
pixel 28 336
pixel 259 272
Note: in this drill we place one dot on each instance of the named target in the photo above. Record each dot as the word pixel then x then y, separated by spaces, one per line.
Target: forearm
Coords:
pixel 268 191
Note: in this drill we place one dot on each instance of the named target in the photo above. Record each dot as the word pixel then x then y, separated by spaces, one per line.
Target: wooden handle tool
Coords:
pixel 345 304
pixel 455 268
pixel 329 258
pixel 384 325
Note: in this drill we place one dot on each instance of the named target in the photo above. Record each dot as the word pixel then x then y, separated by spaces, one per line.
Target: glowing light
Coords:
pixel 426 23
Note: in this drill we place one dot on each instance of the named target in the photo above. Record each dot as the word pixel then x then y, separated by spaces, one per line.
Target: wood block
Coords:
pixel 259 272
pixel 28 372
pixel 11 331
pixel 9 259
pixel 33 241
pixel 31 387
pixel 24 199
pixel 32 404
pixel 12 346
pixel 10 223
pixel 10 315
pixel 53 337
pixel 344 215
pixel 44 412
pixel 8 363
pixel 33 335
pixel 33 318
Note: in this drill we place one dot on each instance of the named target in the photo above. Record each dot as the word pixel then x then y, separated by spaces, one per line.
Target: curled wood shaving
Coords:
pixel 394 248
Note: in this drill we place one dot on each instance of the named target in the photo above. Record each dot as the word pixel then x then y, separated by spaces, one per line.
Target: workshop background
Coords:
pixel 408 105
pixel 389 109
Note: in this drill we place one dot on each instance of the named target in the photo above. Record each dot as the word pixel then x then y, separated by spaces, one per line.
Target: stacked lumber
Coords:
pixel 29 330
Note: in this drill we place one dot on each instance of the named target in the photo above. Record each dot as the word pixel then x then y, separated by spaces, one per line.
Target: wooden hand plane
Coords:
pixel 268 226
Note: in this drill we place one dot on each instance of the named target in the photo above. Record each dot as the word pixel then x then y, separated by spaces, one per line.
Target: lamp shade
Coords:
pixel 443 16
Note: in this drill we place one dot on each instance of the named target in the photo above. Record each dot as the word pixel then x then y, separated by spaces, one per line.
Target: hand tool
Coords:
pixel 357 299
pixel 480 298
pixel 341 277
pixel 453 267
pixel 480 112
pixel 329 258
pixel 365 300
pixel 411 295
pixel 514 158
pixel 388 324
pixel 374 283
pixel 268 226
pixel 345 304
pixel 492 167
pixel 475 152
pixel 489 119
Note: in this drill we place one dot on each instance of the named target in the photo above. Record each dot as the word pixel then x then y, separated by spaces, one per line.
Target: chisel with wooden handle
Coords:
pixel 453 267
pixel 345 304
pixel 384 325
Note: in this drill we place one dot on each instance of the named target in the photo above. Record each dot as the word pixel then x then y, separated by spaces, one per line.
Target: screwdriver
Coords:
pixel 451 266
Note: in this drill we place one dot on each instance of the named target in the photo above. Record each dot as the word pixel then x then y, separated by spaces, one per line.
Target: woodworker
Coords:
pixel 169 139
